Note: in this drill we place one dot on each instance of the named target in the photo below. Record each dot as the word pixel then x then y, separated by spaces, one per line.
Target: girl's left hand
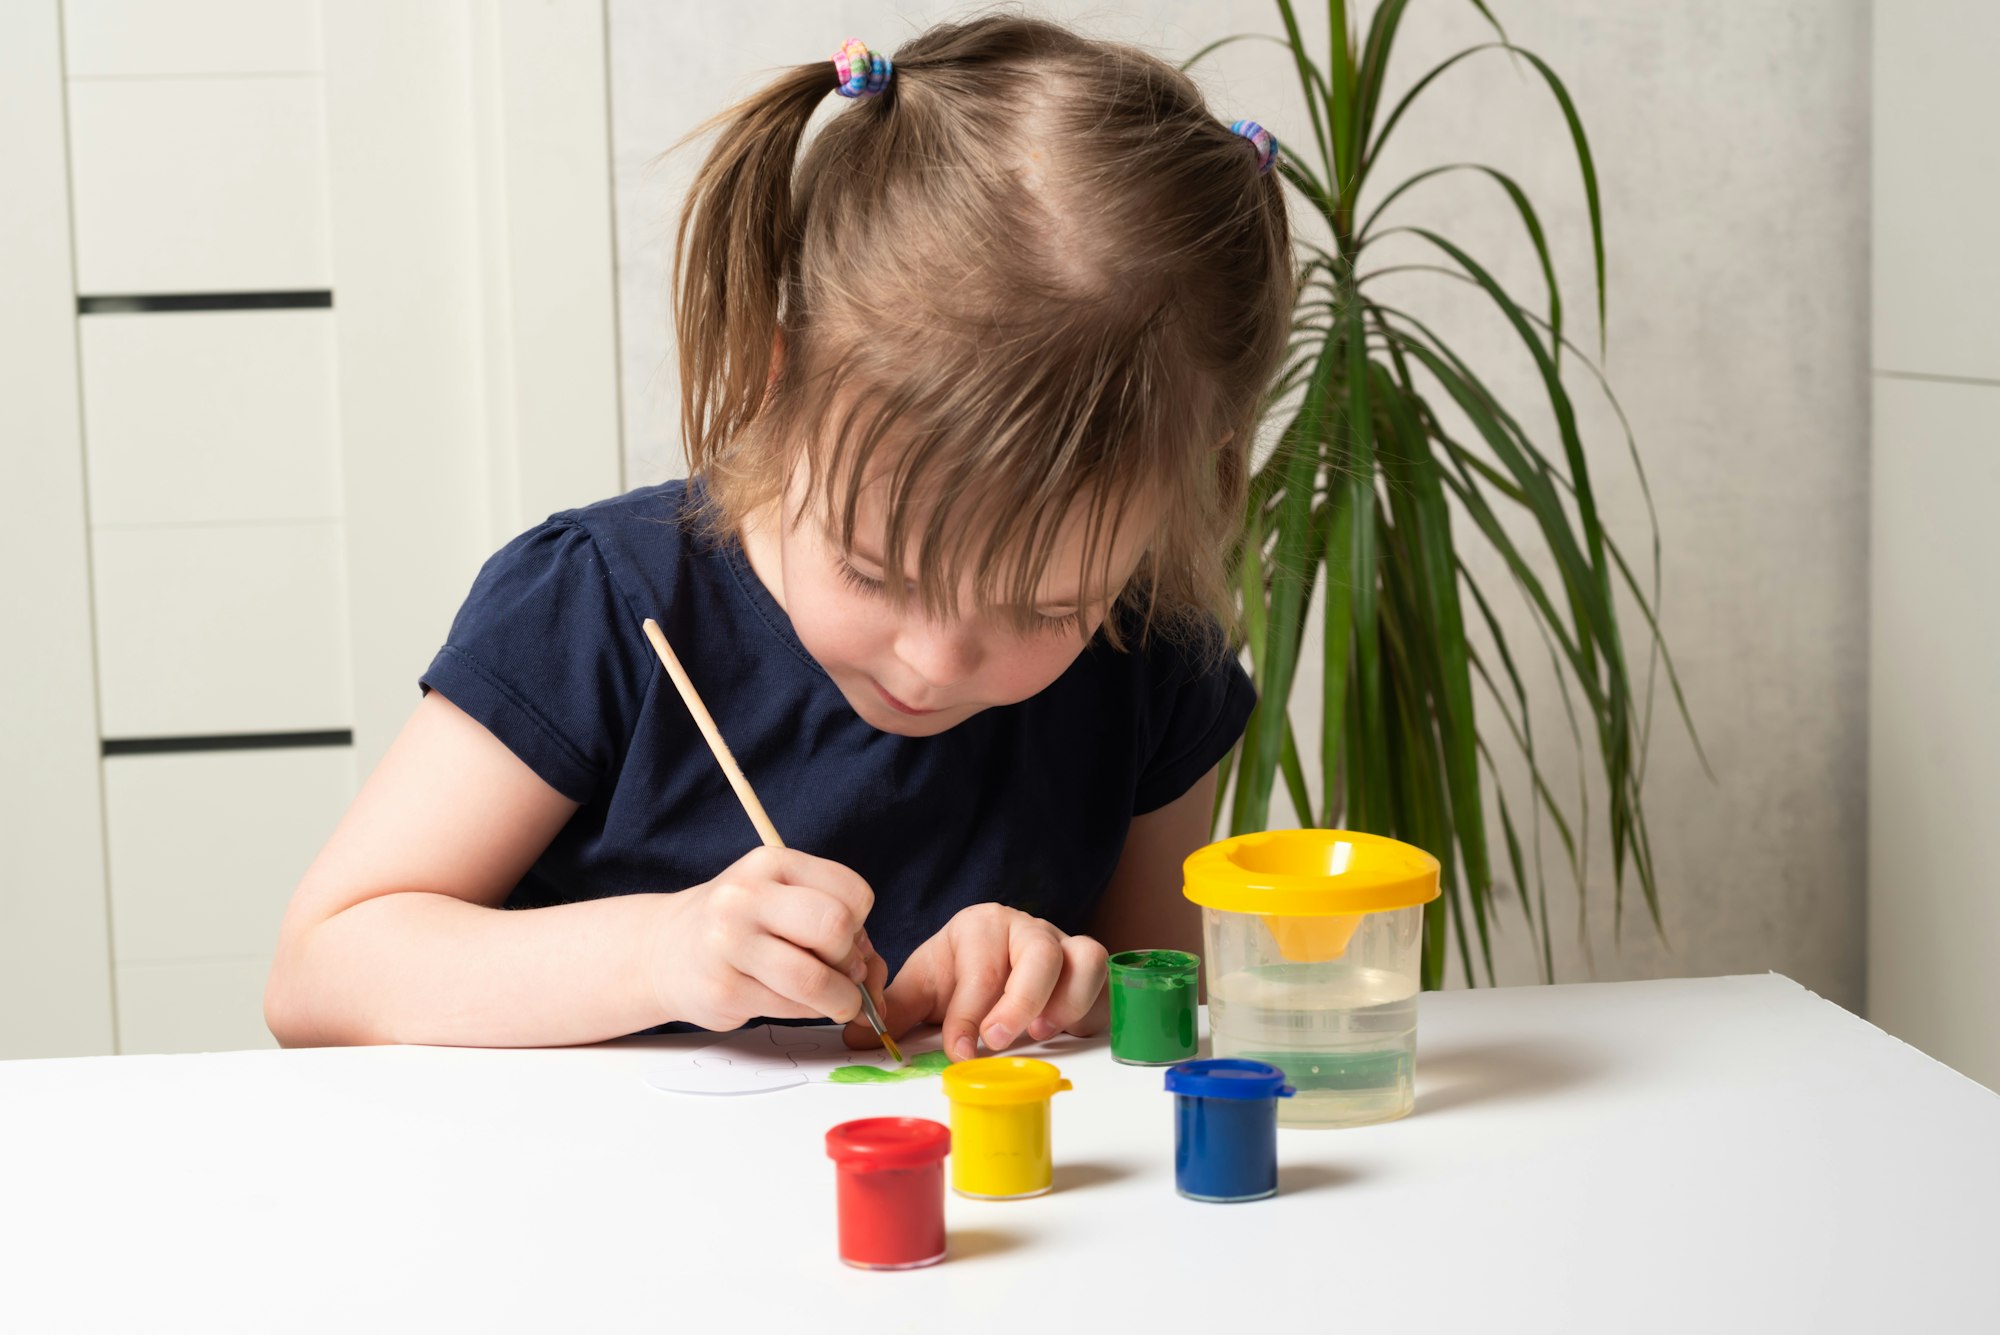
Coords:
pixel 995 973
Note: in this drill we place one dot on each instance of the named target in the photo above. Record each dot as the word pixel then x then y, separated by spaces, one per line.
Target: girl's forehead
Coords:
pixel 1115 521
pixel 1086 553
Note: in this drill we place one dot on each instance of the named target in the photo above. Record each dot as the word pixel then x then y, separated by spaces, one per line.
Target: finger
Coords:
pixel 800 978
pixel 859 1033
pixel 1078 1001
pixel 915 996
pixel 745 998
pixel 977 978
pixel 791 867
pixel 872 957
pixel 1036 955
pixel 816 921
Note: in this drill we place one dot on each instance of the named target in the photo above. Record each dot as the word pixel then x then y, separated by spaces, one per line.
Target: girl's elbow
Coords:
pixel 286 1014
pixel 281 1012
pixel 291 1011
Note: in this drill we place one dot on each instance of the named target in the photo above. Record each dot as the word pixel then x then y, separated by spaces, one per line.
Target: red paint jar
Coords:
pixel 890 1174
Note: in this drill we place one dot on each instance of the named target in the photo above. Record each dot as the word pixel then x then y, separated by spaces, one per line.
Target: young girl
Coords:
pixel 968 393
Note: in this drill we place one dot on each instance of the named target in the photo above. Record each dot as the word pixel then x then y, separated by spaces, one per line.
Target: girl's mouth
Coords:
pixel 896 704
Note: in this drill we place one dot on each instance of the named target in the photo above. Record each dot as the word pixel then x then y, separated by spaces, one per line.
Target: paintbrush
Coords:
pixel 745 794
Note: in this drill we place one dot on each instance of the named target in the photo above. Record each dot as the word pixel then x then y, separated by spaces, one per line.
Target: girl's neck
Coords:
pixel 758 534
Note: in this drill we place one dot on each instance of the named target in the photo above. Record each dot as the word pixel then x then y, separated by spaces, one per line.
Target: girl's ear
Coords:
pixel 777 359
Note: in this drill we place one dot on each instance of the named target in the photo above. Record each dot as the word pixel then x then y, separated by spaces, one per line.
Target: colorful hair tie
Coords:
pixel 1265 142
pixel 863 73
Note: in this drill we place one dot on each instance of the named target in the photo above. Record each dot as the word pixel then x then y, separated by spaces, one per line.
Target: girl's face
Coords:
pixel 901 671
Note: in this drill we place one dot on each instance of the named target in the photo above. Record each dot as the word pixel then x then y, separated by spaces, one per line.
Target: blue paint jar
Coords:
pixel 1226 1128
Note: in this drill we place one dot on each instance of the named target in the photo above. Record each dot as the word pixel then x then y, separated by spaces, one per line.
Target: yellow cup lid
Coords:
pixel 1306 873
pixel 1002 1080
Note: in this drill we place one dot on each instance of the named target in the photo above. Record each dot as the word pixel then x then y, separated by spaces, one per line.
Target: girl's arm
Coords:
pixel 396 935
pixel 1143 908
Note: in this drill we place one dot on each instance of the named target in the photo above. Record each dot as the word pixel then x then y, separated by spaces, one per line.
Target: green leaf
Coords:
pixel 1340 112
pixel 1368 793
pixel 1586 164
pixel 1305 61
pixel 1522 207
pixel 1221 791
pixel 1373 68
pixel 1589 170
pixel 1480 5
pixel 1435 566
pixel 1337 647
pixel 1524 737
pixel 1288 577
pixel 1295 777
pixel 1610 699
pixel 1314 100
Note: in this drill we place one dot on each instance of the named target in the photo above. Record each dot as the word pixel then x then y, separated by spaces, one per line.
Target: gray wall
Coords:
pixel 1731 138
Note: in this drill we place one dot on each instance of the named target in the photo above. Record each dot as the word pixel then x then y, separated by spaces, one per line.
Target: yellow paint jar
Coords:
pixel 1000 1126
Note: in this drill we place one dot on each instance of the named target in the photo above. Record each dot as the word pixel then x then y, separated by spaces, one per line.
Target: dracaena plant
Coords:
pixel 1367 494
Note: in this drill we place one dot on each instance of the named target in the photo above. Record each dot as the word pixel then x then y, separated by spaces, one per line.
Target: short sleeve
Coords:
pixel 1201 700
pixel 542 654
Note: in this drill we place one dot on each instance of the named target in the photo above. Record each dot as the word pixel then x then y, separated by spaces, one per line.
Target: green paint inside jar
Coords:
pixel 1152 1007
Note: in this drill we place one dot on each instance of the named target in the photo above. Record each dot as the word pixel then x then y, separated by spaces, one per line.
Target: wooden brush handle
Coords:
pixel 730 769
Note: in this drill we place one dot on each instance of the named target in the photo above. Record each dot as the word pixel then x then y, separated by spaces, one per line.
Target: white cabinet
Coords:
pixel 203 850
pixel 123 38
pixel 215 629
pixel 211 417
pixel 1934 715
pixel 204 847
pixel 312 309
pixel 199 184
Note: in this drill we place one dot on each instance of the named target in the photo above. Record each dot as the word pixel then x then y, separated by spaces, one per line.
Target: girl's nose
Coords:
pixel 942 654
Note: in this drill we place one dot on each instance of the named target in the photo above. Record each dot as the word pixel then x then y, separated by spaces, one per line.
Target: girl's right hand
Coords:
pixel 778 934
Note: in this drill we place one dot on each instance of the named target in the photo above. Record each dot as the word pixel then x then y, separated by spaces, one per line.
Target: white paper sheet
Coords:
pixel 756 1061
pixel 773 1056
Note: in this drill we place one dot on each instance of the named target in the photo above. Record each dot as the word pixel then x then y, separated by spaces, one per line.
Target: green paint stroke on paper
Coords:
pixel 922 1064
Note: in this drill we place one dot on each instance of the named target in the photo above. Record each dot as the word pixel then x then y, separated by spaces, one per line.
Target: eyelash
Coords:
pixel 875 588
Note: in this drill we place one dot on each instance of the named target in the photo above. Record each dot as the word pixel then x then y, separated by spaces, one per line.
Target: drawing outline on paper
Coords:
pixel 769 1057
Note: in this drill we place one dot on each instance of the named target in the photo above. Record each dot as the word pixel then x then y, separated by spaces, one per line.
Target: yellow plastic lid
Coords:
pixel 1308 873
pixel 1002 1080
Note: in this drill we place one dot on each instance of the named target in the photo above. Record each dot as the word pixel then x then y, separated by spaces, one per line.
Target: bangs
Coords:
pixel 987 459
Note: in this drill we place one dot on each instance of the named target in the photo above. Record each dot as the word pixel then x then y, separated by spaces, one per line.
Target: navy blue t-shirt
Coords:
pixel 1024 804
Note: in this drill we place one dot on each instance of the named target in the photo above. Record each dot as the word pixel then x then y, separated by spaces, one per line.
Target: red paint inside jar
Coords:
pixel 890 1188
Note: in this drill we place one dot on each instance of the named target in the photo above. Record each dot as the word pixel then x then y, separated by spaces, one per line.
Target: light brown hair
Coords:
pixel 1034 273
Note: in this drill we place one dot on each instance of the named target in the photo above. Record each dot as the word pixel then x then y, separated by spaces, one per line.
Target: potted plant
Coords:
pixel 1369 491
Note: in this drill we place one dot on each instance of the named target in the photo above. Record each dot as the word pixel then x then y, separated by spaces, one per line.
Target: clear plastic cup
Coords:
pixel 1313 951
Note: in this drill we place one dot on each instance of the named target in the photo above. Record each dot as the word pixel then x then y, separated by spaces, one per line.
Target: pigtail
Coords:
pixel 736 245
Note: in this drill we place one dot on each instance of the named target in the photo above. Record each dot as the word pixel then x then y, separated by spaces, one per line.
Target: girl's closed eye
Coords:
pixel 855 579
pixel 1052 623
pixel 1047 623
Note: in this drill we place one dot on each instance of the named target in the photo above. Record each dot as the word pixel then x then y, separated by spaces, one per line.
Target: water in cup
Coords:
pixel 1345 1037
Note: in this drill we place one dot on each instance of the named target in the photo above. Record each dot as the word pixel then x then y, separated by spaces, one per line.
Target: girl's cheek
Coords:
pixel 840 623
pixel 1033 667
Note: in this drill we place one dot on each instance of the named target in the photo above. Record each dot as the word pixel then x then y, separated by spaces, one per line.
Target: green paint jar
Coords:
pixel 1152 1007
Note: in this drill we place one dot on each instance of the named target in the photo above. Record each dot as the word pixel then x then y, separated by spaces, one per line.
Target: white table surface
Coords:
pixel 1703 1155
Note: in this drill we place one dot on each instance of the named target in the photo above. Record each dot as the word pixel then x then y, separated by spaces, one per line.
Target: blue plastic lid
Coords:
pixel 1228 1078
